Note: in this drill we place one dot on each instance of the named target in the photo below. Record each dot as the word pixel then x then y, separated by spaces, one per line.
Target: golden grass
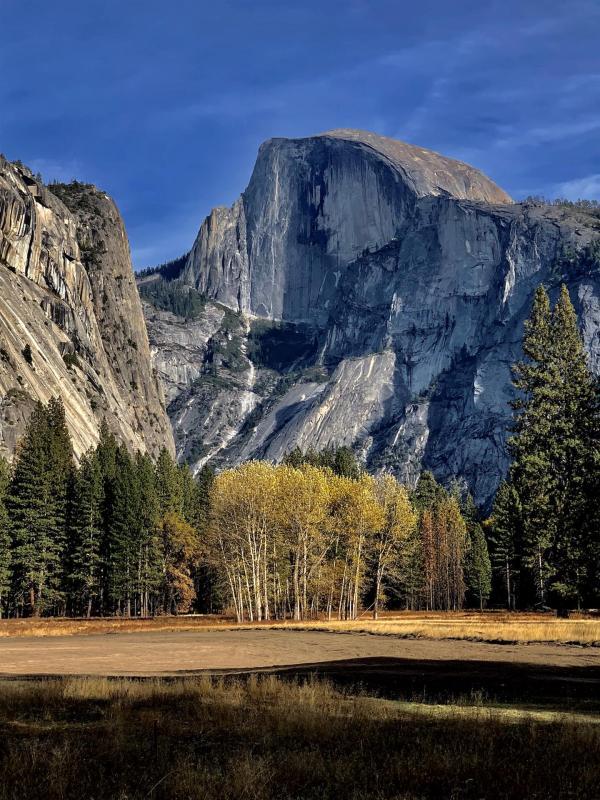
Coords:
pixel 269 739
pixel 485 627
pixel 56 626
pixel 287 697
pixel 482 628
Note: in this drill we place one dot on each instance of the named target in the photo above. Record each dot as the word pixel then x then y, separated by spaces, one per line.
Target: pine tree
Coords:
pixel 193 501
pixel 146 539
pixel 209 590
pixel 5 538
pixel 506 540
pixel 61 473
pixel 478 568
pixel 550 448
pixel 168 484
pixel 106 454
pixel 570 447
pixel 122 525
pixel 590 529
pixel 535 413
pixel 37 504
pixel 427 491
pixel 295 458
pixel 345 463
pixel 340 460
pixel 86 533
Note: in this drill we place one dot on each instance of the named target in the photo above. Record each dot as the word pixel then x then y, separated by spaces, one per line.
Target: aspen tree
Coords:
pixel 399 521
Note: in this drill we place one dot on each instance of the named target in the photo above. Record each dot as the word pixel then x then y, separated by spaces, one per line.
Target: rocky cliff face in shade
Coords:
pixel 380 292
pixel 71 322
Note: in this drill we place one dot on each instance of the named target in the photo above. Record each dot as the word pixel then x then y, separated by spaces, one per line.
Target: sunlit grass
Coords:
pixel 487 627
pixel 477 628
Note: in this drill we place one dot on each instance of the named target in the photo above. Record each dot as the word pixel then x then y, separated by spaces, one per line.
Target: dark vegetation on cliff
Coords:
pixel 590 208
pixel 183 301
pixel 282 346
pixel 169 270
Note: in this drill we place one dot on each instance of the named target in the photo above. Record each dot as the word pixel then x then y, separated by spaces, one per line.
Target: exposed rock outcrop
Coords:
pixel 312 207
pixel 71 322
pixel 408 274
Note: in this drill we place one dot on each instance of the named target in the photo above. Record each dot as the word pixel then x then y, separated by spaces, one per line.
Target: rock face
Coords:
pixel 71 323
pixel 312 207
pixel 380 292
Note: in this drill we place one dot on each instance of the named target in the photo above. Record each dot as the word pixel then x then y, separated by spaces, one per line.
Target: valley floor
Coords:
pixel 266 713
pixel 554 676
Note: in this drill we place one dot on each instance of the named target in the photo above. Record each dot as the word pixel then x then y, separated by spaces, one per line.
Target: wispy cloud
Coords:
pixel 586 188
pixel 226 106
pixel 547 134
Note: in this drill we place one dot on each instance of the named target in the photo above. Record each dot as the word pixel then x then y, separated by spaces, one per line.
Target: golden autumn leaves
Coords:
pixel 301 541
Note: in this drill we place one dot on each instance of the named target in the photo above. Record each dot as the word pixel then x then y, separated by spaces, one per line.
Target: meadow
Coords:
pixel 492 626
pixel 264 737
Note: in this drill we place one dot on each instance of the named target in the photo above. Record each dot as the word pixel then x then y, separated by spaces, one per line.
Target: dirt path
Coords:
pixel 176 653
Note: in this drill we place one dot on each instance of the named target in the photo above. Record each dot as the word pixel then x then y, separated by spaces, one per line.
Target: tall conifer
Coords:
pixel 87 533
pixel 121 535
pixel 146 540
pixel 5 538
pixel 545 505
pixel 478 568
pixel 38 505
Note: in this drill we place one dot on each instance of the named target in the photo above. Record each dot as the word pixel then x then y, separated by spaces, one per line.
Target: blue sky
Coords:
pixel 164 104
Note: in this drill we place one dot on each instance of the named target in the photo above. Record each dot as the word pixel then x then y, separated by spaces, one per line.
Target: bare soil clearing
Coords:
pixel 177 653
pixel 540 674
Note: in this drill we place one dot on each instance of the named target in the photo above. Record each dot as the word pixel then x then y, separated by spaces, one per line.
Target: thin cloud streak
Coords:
pixel 165 110
pixel 586 188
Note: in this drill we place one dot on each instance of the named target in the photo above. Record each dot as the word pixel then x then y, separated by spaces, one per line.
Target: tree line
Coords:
pixel 316 535
pixel 118 534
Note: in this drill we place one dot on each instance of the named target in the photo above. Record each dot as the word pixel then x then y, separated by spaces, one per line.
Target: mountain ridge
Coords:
pixel 415 302
pixel 71 323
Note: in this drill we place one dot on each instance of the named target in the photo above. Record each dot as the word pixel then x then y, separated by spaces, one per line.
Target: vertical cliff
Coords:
pixel 71 322
pixel 311 208
pixel 382 290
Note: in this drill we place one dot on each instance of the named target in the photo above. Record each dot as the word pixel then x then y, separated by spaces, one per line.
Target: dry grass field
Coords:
pixel 474 626
pixel 518 628
pixel 457 719
pixel 269 739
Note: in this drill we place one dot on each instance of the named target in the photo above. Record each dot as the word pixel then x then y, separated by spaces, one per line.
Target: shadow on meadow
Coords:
pixel 264 737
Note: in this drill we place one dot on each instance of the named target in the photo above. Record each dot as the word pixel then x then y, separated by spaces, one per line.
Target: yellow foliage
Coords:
pixel 180 549
pixel 300 541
